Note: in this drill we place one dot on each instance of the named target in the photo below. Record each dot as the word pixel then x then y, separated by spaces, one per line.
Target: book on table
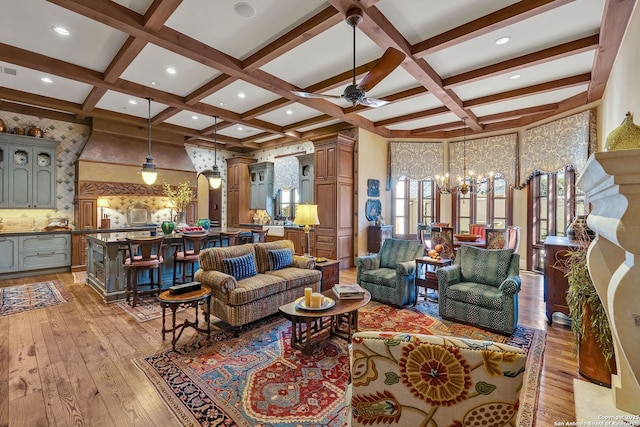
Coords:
pixel 348 291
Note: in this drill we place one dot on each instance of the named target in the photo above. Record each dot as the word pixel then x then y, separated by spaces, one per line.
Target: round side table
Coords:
pixel 188 299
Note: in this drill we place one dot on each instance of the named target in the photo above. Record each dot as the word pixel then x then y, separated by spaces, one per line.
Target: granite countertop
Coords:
pixel 9 233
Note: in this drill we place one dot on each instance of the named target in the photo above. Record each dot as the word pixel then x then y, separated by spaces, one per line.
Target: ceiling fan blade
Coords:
pixel 373 102
pixel 314 95
pixel 389 62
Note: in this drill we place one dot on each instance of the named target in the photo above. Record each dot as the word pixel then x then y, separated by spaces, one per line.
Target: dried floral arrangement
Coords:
pixel 181 195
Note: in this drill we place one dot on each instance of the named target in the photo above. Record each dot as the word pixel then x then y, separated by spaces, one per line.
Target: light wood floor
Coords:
pixel 71 364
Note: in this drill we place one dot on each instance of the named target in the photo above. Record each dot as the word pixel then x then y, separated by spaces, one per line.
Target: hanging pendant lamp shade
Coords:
pixel 149 172
pixel 215 178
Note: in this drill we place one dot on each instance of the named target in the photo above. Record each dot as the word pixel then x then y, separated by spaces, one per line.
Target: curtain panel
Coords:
pixel 415 160
pixel 552 146
pixel 285 173
pixel 497 154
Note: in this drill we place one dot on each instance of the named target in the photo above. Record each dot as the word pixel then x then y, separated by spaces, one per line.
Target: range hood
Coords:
pixel 106 148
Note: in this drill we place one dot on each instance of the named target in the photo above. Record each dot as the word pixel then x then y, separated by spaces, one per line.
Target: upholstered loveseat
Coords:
pixel 427 380
pixel 249 282
pixel 481 288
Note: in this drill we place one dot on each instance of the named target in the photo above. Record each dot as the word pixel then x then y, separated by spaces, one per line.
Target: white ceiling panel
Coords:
pixel 230 97
pixel 429 121
pixel 28 80
pixel 120 103
pixel 289 114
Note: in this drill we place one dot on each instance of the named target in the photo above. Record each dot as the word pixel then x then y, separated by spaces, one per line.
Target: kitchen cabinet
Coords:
pixel 9 251
pixel 333 192
pixel 238 210
pixel 261 186
pixel 28 172
pixel 86 217
pixel 305 178
pixel 376 235
pixel 44 250
pixel 299 239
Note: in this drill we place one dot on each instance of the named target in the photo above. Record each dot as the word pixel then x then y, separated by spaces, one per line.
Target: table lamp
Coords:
pixel 307 215
pixel 104 221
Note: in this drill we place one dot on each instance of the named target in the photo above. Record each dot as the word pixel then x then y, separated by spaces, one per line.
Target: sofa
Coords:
pixel 400 379
pixel 251 281
pixel 390 274
pixel 481 288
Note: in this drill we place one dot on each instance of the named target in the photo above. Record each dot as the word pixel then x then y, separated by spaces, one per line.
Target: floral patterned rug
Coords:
pixel 16 299
pixel 257 379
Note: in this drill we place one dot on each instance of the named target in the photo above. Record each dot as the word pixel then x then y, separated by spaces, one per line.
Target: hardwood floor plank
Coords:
pixel 86 347
pixel 28 411
pixel 4 371
pixel 24 378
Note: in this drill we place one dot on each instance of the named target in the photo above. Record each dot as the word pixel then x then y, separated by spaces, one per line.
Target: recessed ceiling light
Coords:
pixel 244 9
pixel 239 128
pixel 194 117
pixel 154 83
pixel 289 112
pixel 133 102
pixel 241 95
pixel 502 40
pixel 515 76
pixel 170 70
pixel 222 104
pixel 46 80
pixel 61 30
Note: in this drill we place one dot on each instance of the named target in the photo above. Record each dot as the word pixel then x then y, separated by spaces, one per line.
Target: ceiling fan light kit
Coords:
pixel 356 92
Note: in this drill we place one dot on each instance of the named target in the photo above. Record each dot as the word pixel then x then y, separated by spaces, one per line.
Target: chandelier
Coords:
pixel 466 183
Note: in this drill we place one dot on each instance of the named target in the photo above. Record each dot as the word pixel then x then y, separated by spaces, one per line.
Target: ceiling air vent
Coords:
pixel 11 71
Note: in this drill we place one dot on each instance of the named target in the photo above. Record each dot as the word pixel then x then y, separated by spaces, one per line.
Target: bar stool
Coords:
pixel 145 253
pixel 259 236
pixel 188 254
pixel 230 236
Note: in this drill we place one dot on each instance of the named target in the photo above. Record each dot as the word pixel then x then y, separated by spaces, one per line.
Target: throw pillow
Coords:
pixel 240 267
pixel 280 258
pixel 486 266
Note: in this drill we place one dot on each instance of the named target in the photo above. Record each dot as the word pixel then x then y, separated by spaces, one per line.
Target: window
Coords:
pixel 555 201
pixel 286 202
pixel 414 201
pixel 485 205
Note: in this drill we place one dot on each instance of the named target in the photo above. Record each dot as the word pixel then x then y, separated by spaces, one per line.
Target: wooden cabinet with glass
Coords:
pixel 261 186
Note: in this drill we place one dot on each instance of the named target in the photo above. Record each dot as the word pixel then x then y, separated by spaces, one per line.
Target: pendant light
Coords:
pixel 149 172
pixel 215 179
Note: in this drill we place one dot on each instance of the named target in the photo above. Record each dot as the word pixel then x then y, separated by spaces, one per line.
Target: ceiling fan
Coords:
pixel 356 93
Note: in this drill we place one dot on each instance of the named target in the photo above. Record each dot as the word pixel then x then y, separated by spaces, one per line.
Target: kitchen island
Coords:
pixel 106 253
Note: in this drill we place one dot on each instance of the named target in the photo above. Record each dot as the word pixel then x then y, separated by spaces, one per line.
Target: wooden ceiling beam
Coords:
pixel 615 20
pixel 494 21
pixel 529 60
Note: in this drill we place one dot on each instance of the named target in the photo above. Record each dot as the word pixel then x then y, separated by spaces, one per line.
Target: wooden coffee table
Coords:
pixel 310 327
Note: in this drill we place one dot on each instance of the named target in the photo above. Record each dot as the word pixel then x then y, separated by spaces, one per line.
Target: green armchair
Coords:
pixel 481 288
pixel 390 274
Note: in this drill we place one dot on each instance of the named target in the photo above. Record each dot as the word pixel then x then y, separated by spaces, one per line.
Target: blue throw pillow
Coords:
pixel 240 267
pixel 280 258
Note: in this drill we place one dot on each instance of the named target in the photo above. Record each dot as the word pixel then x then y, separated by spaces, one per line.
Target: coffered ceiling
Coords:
pixel 118 52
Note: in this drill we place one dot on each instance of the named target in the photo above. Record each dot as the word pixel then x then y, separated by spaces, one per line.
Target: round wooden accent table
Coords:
pixel 310 327
pixel 188 299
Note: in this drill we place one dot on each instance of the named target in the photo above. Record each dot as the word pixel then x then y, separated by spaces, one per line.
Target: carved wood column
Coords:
pixel 611 181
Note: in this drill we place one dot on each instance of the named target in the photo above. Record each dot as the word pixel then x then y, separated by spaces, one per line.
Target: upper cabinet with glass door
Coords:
pixel 27 172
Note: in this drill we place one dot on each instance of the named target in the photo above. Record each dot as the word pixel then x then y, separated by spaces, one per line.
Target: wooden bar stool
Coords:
pixel 230 236
pixel 259 236
pixel 188 253
pixel 145 253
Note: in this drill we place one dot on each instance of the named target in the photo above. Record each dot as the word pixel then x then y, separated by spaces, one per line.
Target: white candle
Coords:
pixel 307 297
pixel 316 300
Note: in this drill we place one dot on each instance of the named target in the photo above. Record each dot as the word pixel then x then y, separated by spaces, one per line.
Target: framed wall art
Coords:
pixel 373 188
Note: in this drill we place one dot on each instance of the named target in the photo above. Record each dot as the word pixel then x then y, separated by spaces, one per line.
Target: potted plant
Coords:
pixel 589 323
pixel 180 197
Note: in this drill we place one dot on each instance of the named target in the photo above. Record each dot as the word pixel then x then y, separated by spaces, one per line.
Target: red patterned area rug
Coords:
pixel 16 299
pixel 257 379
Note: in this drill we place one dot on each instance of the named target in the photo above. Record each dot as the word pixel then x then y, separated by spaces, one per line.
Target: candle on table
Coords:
pixel 307 297
pixel 316 300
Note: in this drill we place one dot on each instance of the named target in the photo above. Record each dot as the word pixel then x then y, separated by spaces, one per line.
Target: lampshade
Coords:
pixel 103 203
pixel 306 215
pixel 215 179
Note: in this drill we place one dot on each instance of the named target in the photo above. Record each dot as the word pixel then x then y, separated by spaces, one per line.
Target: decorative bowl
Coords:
pixel 467 237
